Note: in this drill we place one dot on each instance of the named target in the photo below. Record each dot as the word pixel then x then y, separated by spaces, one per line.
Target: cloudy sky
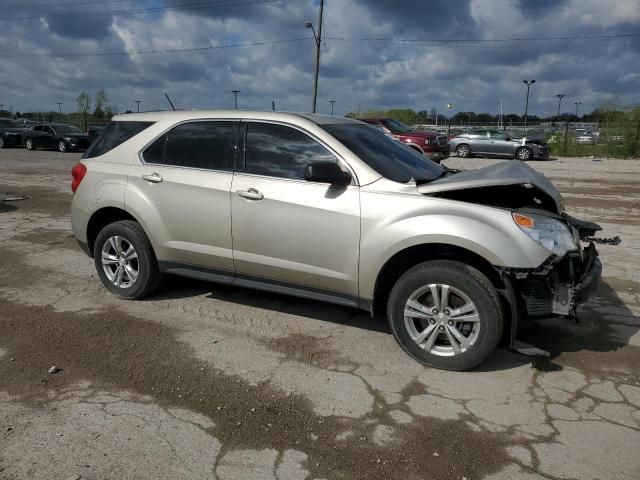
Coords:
pixel 418 54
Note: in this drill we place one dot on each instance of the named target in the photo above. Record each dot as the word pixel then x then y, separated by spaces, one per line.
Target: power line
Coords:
pixel 189 6
pixel 476 40
pixel 149 52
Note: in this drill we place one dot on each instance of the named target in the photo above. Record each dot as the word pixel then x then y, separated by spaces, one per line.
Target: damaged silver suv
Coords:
pixel 331 209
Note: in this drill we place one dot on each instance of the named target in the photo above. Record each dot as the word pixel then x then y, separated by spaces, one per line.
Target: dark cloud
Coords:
pixel 357 73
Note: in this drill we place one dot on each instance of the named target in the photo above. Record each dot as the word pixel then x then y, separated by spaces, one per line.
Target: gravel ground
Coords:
pixel 208 381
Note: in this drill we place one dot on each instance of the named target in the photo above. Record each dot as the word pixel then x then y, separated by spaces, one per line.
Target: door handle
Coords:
pixel 153 178
pixel 251 194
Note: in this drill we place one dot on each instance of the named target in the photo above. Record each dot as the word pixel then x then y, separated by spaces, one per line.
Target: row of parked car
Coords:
pixel 435 146
pixel 58 136
pixel 479 142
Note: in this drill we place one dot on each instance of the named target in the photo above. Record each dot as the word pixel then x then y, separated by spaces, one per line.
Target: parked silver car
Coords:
pixel 331 209
pixel 499 144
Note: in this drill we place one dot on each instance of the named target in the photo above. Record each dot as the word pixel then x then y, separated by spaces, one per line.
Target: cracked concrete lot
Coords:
pixel 207 381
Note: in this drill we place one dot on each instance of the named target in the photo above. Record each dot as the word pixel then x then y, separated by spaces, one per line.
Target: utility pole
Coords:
pixel 526 105
pixel 235 97
pixel 332 102
pixel 560 97
pixel 273 105
pixel 60 107
pixel 138 102
pixel 318 40
pixel 577 104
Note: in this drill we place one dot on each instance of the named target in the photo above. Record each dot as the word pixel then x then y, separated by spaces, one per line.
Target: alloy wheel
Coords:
pixel 442 320
pixel 463 151
pixel 62 146
pixel 120 262
pixel 524 154
pixel 29 144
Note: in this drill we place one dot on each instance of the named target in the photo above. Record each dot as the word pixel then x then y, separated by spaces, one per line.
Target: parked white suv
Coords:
pixel 331 209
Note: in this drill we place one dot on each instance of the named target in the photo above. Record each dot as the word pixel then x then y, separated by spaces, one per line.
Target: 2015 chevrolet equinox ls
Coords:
pixel 331 209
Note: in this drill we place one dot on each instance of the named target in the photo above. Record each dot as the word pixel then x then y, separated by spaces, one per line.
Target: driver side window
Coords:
pixel 280 151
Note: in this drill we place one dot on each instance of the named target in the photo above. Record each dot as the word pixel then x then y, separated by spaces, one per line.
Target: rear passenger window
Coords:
pixel 204 145
pixel 279 151
pixel 115 134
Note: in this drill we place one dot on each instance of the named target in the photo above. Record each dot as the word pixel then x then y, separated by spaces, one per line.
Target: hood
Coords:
pixel 12 130
pixel 513 172
pixel 416 134
pixel 538 139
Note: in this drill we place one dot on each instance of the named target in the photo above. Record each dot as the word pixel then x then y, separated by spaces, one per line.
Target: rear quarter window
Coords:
pixel 115 134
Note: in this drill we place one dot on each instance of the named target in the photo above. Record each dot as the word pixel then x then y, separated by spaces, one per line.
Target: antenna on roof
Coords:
pixel 169 100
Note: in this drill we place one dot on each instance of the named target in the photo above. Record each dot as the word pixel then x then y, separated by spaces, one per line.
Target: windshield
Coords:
pixel 396 126
pixel 66 129
pixel 390 158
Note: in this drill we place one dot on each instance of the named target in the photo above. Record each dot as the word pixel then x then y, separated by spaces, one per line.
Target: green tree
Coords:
pixel 84 105
pixel 100 101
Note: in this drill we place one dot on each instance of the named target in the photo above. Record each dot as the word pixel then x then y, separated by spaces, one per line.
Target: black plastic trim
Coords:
pixel 265 284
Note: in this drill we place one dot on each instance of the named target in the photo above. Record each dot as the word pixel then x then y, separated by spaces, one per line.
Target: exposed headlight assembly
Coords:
pixel 552 234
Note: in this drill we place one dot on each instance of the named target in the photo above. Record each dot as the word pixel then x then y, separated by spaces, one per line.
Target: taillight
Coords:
pixel 77 173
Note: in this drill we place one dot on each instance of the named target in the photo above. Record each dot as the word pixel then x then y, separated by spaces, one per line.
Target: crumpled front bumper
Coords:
pixel 558 286
pixel 591 276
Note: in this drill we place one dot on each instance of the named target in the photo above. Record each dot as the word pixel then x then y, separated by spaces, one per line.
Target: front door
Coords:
pixel 185 181
pixel 499 143
pixel 287 230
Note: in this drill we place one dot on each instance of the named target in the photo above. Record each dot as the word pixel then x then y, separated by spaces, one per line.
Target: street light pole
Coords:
pixel 560 97
pixel 138 102
pixel 235 97
pixel 526 105
pixel 577 104
pixel 318 40
pixel 332 102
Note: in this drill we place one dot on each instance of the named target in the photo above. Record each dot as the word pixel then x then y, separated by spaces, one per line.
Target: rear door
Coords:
pixel 480 141
pixel 185 179
pixel 288 230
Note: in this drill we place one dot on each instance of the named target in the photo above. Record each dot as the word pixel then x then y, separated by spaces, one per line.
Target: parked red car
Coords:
pixel 430 144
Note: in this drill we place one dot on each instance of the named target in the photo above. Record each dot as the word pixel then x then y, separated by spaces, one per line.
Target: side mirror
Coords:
pixel 327 172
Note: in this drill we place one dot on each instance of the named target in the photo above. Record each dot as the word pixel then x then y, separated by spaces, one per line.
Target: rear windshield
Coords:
pixel 115 134
pixel 386 156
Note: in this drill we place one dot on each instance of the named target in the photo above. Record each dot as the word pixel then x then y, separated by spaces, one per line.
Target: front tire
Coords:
pixel 446 314
pixel 62 146
pixel 29 144
pixel 463 151
pixel 1 142
pixel 125 261
pixel 524 154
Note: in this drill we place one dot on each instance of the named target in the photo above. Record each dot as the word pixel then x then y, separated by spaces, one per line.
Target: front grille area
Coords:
pixel 442 140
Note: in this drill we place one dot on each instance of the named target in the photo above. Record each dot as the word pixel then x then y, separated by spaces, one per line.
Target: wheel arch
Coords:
pixel 103 217
pixel 407 258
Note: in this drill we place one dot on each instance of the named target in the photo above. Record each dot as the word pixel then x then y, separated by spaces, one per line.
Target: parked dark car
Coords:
pixel 432 145
pixel 496 143
pixel 60 136
pixel 10 133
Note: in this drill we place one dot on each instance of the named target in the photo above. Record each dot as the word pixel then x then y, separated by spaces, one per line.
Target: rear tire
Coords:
pixel 125 260
pixel 463 151
pixel 467 327
pixel 29 144
pixel 62 146
pixel 1 142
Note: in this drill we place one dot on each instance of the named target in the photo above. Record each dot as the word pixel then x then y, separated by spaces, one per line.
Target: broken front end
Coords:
pixel 566 279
